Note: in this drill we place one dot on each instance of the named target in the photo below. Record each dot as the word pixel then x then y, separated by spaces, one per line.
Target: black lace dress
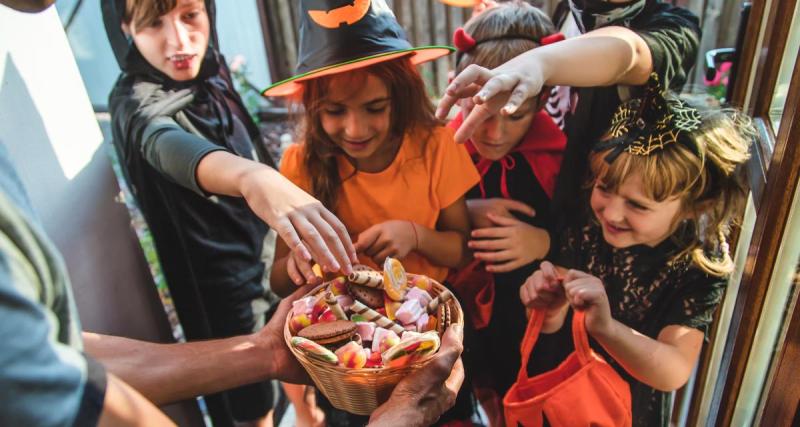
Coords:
pixel 647 290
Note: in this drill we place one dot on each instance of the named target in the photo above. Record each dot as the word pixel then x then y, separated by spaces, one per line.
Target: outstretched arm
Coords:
pixel 606 56
pixel 166 373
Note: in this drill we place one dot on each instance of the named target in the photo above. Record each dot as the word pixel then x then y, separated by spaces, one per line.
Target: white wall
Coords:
pixel 49 128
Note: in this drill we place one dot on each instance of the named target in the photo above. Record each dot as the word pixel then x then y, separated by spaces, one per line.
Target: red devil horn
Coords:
pixel 463 41
pixel 552 38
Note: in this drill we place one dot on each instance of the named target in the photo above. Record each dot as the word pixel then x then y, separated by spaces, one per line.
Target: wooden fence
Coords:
pixel 429 22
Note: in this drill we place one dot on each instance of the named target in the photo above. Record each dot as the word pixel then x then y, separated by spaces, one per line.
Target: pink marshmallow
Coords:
pixel 366 330
pixel 420 295
pixel 345 301
pixel 409 312
pixel 422 322
pixel 383 339
pixel 303 305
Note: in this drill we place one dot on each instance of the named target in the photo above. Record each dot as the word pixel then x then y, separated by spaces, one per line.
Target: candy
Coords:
pixel 318 308
pixel 357 318
pixel 370 279
pixel 422 322
pixel 371 315
pixel 418 295
pixel 409 312
pixel 298 322
pixel 333 305
pixel 443 297
pixel 345 301
pixel 366 330
pixel 390 306
pixel 351 355
pixel 314 350
pixel 410 349
pixel 327 316
pixel 384 339
pixel 374 359
pixel 395 281
pixel 338 286
pixel 422 282
pixel 303 305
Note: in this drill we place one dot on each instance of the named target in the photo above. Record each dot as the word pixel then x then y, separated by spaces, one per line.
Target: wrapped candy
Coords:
pixel 421 282
pixel 366 330
pixel 314 350
pixel 327 316
pixel 351 355
pixel 374 359
pixel 298 322
pixel 411 348
pixel 338 286
pixel 419 295
pixel 395 281
pixel 383 339
pixel 303 305
pixel 409 312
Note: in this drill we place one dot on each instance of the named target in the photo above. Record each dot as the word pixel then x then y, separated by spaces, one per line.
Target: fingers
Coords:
pixel 344 235
pixel 332 241
pixel 367 238
pixel 549 271
pixel 490 233
pixel 294 274
pixel 489 244
pixel 303 268
pixel 516 205
pixel 583 292
pixel 286 230
pixel 314 240
pixel 478 115
pixel 502 220
pixel 465 84
pixel 521 93
pixel 450 99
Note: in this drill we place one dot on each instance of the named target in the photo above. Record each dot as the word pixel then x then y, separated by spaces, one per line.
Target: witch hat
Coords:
pixel 341 35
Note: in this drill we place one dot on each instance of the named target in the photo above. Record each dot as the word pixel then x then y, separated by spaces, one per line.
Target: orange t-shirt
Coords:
pixel 425 177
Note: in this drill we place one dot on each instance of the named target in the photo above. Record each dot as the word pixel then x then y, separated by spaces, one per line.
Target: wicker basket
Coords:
pixel 360 391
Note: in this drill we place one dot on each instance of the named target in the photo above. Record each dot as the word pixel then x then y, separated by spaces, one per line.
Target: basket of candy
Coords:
pixel 358 336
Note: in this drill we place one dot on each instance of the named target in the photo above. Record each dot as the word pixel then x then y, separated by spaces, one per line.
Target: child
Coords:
pixel 649 266
pixel 372 150
pixel 603 62
pixel 197 167
pixel 518 157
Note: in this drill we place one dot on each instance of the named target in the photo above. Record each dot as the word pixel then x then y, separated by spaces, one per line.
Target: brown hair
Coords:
pixel 143 13
pixel 411 110
pixel 703 176
pixel 508 18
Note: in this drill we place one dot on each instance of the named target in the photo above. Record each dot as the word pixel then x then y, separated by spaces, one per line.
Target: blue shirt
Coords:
pixel 45 379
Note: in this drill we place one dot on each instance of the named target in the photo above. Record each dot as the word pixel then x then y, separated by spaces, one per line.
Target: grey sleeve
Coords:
pixel 174 152
pixel 43 382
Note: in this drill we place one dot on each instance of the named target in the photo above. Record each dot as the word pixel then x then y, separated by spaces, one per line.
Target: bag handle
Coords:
pixel 579 337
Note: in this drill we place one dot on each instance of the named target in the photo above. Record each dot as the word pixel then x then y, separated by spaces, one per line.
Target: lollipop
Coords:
pixel 395 281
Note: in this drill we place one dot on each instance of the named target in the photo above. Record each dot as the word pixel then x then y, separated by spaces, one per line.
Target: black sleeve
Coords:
pixel 175 152
pixel 696 302
pixel 673 36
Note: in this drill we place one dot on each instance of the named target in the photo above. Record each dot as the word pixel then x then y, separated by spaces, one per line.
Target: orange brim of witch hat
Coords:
pixel 338 39
pixel 460 3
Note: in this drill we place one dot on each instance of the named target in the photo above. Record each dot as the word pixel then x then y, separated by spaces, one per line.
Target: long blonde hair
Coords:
pixel 705 177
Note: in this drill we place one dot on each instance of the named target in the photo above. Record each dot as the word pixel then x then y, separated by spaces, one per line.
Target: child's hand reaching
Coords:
pixel 587 293
pixel 543 290
pixel 394 238
pixel 479 209
pixel 300 270
pixel 509 243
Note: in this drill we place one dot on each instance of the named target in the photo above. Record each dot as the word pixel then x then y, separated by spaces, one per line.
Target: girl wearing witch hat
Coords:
pixel 200 174
pixel 371 148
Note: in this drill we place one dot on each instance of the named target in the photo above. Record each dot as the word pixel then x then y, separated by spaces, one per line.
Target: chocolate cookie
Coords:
pixel 372 298
pixel 329 333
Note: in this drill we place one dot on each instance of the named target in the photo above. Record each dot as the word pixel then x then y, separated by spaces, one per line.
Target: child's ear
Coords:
pixel 125 28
